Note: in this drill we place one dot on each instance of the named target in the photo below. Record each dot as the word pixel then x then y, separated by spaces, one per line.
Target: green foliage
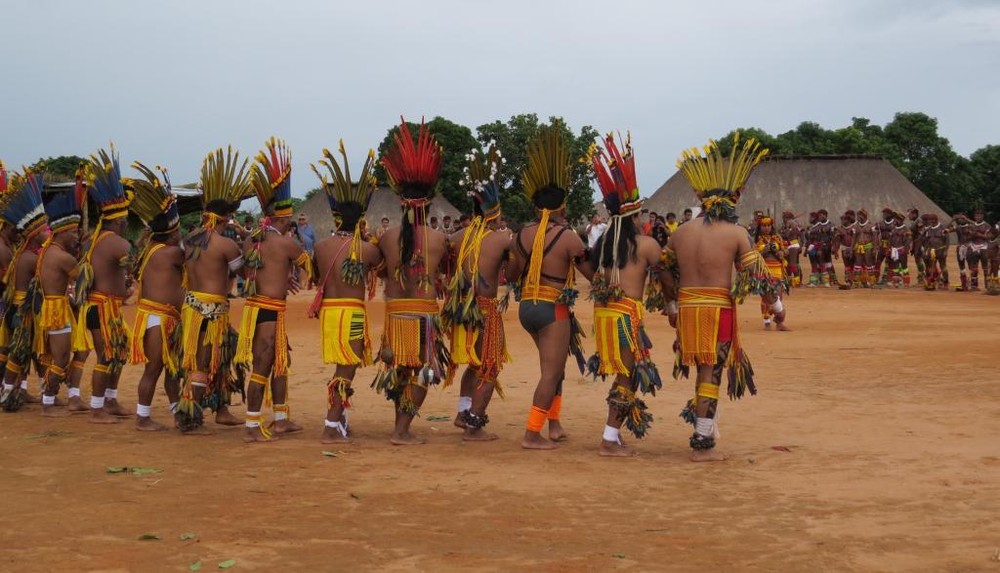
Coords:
pixel 456 141
pixel 59 169
pixel 512 138
pixel 912 144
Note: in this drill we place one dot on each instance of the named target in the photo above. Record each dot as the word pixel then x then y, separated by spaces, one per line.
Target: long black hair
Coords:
pixel 604 251
pixel 350 215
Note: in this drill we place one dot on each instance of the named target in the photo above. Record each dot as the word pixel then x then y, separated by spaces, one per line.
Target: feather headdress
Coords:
pixel 340 189
pixel 24 207
pixel 106 186
pixel 225 181
pixel 272 179
pixel 413 167
pixel 718 181
pixel 615 173
pixel 64 205
pixel 546 179
pixel 154 201
pixel 481 178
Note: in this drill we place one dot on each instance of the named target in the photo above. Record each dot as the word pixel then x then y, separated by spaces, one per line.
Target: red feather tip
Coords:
pixel 412 163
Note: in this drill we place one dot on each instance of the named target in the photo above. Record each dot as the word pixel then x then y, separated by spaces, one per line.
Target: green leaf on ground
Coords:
pixel 133 471
pixel 227 564
pixel 196 566
pixel 618 555
pixel 188 536
pixel 438 418
pixel 149 537
pixel 329 454
pixel 144 471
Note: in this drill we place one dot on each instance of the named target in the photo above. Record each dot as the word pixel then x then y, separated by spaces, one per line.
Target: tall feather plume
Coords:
pixel 614 169
pixel 224 177
pixel 272 174
pixel 337 182
pixel 548 163
pixel 153 196
pixel 413 165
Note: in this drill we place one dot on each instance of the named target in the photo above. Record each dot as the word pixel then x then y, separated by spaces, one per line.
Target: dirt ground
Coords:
pixel 872 446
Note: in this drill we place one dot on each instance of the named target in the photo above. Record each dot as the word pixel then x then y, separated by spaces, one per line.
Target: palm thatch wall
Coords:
pixel 803 184
pixel 384 203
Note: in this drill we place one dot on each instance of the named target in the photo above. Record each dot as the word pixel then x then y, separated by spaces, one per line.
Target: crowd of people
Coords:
pixel 64 291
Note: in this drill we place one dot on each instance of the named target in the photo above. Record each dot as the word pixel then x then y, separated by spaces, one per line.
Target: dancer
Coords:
pixel 348 265
pixel 546 254
pixel 772 247
pixel 703 308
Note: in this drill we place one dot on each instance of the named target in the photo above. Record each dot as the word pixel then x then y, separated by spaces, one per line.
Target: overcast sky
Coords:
pixel 170 81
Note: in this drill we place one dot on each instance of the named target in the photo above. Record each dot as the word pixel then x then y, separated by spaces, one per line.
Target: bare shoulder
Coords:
pixel 647 248
pixel 371 252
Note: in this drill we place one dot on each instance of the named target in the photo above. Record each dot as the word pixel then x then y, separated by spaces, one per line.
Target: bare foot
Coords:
pixel 556 432
pixel 252 435
pixel 616 450
pixel 406 439
pixel 285 427
pixel 100 416
pixel 537 442
pixel 146 424
pixel 60 402
pixel 76 406
pixel 112 407
pixel 711 455
pixel 30 398
pixel 197 431
pixel 458 421
pixel 478 435
pixel 782 328
pixel 333 436
pixel 224 417
pixel 54 412
pixel 767 326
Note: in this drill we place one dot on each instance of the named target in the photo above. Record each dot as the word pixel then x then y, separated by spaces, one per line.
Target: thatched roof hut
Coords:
pixel 808 183
pixel 384 203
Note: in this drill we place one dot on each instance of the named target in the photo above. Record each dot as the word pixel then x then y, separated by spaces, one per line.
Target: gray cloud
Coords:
pixel 169 81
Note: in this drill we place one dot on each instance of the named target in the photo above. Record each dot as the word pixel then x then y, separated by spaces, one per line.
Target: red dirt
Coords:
pixel 857 454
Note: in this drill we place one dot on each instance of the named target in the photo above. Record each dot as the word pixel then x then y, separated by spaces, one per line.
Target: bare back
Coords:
pixel 163 275
pixel 492 254
pixel 330 254
pixel 279 253
pixel 562 248
pixel 25 270
pixel 707 252
pixel 209 272
pixel 433 252
pixel 632 278
pixel 108 260
pixel 55 271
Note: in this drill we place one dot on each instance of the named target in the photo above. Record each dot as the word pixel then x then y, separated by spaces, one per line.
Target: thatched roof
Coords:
pixel 384 203
pixel 808 183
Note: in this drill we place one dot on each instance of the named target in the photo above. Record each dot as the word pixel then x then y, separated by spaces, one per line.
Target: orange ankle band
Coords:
pixel 258 379
pixel 536 419
pixel 102 368
pixel 556 407
pixel 76 365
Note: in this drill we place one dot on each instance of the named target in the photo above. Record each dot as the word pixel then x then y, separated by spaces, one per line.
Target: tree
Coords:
pixel 513 138
pixel 985 166
pixel 456 141
pixel 929 161
pixel 59 169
